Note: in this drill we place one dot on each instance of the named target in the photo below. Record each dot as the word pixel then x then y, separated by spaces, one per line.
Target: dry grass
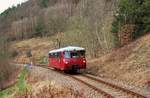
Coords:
pixel 7 70
pixel 46 90
pixel 39 48
pixel 130 63
pixel 32 87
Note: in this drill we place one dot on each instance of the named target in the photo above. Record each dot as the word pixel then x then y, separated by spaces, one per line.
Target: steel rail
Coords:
pixel 137 95
pixel 93 87
pixel 115 86
pixel 83 82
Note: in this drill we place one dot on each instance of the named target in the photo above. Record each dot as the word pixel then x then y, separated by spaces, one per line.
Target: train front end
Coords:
pixel 74 60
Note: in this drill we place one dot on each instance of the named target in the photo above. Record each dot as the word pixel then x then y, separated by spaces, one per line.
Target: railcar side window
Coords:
pixel 53 55
pixel 67 54
pixel 74 55
pixel 82 53
pixel 59 54
pixel 50 55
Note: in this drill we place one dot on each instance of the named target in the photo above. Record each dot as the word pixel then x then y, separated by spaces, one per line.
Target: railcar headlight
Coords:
pixel 84 61
pixel 66 62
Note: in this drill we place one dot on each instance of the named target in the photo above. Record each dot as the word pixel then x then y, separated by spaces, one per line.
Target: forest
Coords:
pixel 97 25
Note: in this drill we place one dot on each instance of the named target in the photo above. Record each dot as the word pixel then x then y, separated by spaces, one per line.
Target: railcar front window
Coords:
pixel 82 53
pixel 74 55
pixel 67 55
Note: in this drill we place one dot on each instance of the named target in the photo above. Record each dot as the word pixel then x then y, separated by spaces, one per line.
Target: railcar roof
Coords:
pixel 69 48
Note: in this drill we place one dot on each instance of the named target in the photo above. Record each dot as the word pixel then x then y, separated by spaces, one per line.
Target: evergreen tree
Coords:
pixel 135 12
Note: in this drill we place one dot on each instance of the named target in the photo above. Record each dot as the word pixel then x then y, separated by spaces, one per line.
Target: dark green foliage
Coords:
pixel 134 12
pixel 14 53
pixel 21 81
pixel 5 68
pixel 115 27
pixel 146 13
pixel 8 11
pixel 40 29
pixel 29 53
pixel 44 3
pixel 3 48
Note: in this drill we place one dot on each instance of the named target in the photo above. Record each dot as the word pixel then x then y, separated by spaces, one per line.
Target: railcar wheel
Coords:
pixel 55 68
pixel 75 69
pixel 66 71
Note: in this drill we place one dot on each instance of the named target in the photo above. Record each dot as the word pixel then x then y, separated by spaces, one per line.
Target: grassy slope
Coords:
pixel 18 88
pixel 38 46
pixel 130 63
pixel 38 89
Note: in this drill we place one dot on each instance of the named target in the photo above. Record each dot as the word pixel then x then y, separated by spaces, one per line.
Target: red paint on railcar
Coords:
pixel 68 58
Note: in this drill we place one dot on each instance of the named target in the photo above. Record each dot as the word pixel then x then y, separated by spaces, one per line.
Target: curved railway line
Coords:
pixel 93 87
pixel 105 94
pixel 113 91
pixel 132 94
pixel 106 89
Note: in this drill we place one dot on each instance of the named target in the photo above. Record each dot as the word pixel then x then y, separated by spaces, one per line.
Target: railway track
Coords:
pixel 128 92
pixel 114 90
pixel 106 89
pixel 105 94
pixel 93 87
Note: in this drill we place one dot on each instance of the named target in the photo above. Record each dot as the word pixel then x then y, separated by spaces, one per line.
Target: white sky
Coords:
pixel 4 4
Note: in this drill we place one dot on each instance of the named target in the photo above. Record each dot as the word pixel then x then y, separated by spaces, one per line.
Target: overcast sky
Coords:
pixel 4 4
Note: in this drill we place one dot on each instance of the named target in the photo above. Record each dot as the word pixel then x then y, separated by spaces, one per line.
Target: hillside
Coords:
pixel 39 48
pixel 130 63
pixel 115 34
pixel 38 26
pixel 77 20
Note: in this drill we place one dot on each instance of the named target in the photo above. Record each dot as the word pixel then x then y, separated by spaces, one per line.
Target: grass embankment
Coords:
pixel 39 48
pixel 40 89
pixel 19 88
pixel 130 63
pixel 21 85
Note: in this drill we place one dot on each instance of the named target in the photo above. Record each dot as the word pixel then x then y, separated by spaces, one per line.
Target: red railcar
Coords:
pixel 68 58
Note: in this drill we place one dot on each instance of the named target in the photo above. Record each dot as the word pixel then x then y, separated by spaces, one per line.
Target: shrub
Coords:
pixel 14 53
pixel 135 12
pixel 5 68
